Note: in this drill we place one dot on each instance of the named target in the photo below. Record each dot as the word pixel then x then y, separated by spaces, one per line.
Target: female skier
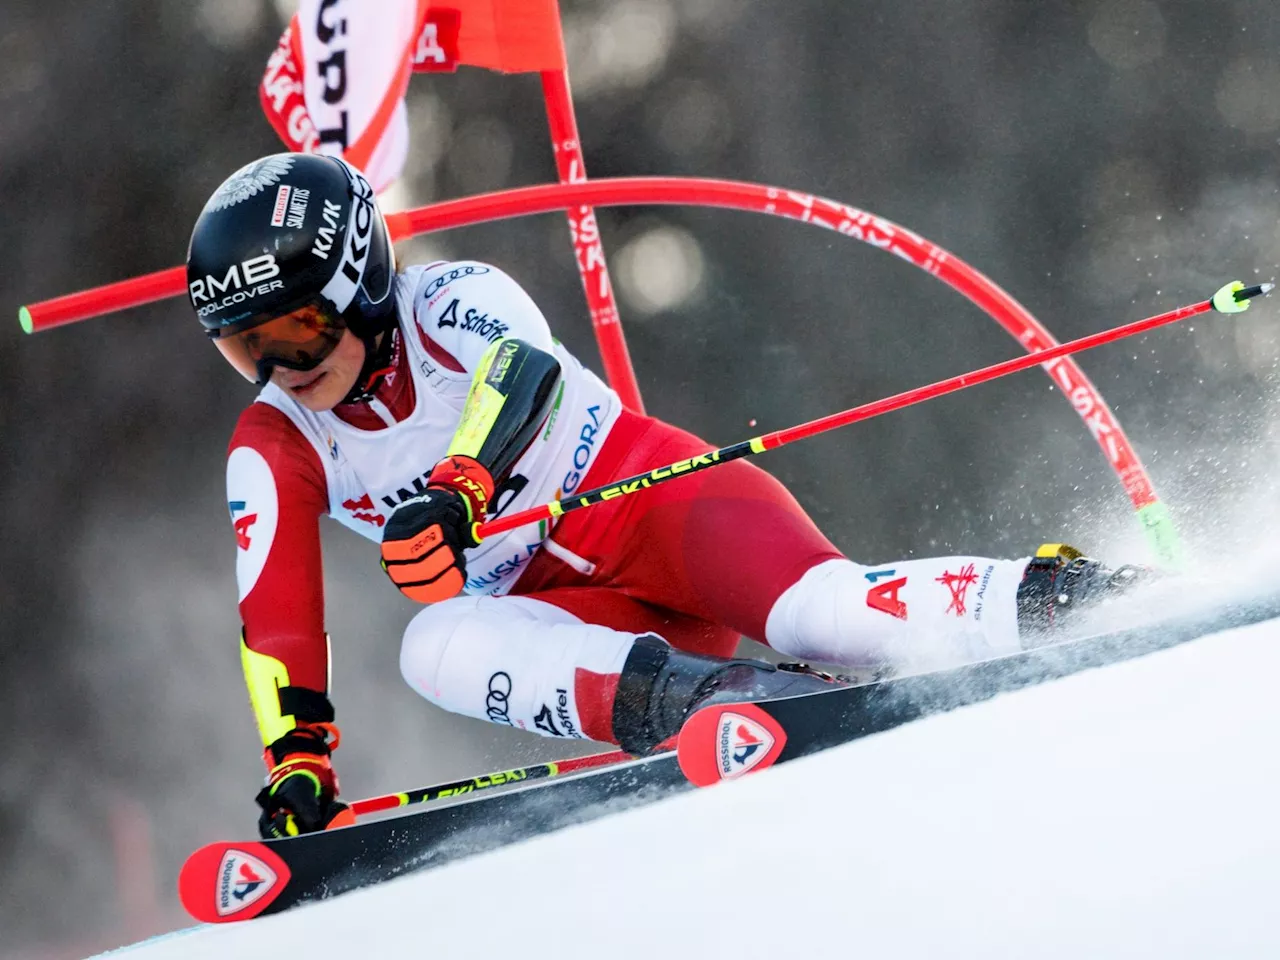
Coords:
pixel 410 406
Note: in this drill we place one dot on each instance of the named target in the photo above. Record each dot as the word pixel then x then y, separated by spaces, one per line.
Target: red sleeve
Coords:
pixel 276 491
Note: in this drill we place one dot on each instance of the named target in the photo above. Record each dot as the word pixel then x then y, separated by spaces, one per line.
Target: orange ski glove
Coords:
pixel 423 542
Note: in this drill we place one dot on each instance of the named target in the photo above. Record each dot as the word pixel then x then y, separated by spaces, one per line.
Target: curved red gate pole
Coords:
pixel 807 208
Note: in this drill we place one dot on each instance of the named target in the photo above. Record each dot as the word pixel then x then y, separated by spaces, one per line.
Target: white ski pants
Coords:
pixel 524 662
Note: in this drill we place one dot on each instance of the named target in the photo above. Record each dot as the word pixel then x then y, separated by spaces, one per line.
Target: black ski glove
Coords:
pixel 302 788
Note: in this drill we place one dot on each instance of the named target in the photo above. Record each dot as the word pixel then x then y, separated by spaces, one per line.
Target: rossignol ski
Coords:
pixel 231 881
pixel 238 880
pixel 724 741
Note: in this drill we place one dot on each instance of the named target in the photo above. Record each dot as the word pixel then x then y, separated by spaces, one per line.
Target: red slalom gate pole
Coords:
pixel 500 778
pixel 588 246
pixel 1232 298
pixel 73 307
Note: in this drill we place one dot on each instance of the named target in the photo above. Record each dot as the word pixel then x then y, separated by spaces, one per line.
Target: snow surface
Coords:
pixel 1124 812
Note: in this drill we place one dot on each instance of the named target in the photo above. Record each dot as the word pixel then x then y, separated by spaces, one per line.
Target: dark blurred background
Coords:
pixel 1100 160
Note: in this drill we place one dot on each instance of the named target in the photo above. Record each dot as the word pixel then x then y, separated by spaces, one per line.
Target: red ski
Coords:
pixel 242 879
pixel 724 741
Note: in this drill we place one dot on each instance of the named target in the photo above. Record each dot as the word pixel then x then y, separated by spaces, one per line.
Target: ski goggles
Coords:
pixel 301 340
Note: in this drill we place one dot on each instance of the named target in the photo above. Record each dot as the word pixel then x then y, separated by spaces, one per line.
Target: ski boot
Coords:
pixel 1058 580
pixel 660 686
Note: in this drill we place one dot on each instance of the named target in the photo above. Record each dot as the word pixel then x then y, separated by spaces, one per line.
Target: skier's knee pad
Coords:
pixel 428 637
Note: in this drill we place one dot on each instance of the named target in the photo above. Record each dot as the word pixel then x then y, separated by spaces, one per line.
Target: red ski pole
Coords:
pixel 1233 298
pixel 537 771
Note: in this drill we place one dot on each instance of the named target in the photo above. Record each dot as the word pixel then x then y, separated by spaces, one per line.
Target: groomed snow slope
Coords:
pixel 1124 812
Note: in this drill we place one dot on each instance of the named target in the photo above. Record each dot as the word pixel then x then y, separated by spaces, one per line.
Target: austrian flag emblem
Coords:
pixel 281 207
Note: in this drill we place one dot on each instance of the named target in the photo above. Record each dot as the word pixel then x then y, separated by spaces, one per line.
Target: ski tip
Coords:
pixel 223 882
pixel 726 741
pixel 1235 296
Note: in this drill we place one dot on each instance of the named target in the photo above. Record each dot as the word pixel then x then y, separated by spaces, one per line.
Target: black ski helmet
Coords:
pixel 288 230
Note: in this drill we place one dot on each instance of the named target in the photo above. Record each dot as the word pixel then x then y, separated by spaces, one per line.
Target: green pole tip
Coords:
pixel 1235 296
pixel 24 318
pixel 1229 299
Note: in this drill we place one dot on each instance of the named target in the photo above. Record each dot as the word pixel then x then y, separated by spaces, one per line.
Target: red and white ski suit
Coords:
pixel 550 614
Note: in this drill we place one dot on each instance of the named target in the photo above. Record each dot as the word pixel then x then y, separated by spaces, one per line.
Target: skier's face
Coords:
pixel 324 387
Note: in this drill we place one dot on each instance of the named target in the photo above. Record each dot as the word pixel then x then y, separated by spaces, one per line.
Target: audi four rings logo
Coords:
pixel 455 274
pixel 496 703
